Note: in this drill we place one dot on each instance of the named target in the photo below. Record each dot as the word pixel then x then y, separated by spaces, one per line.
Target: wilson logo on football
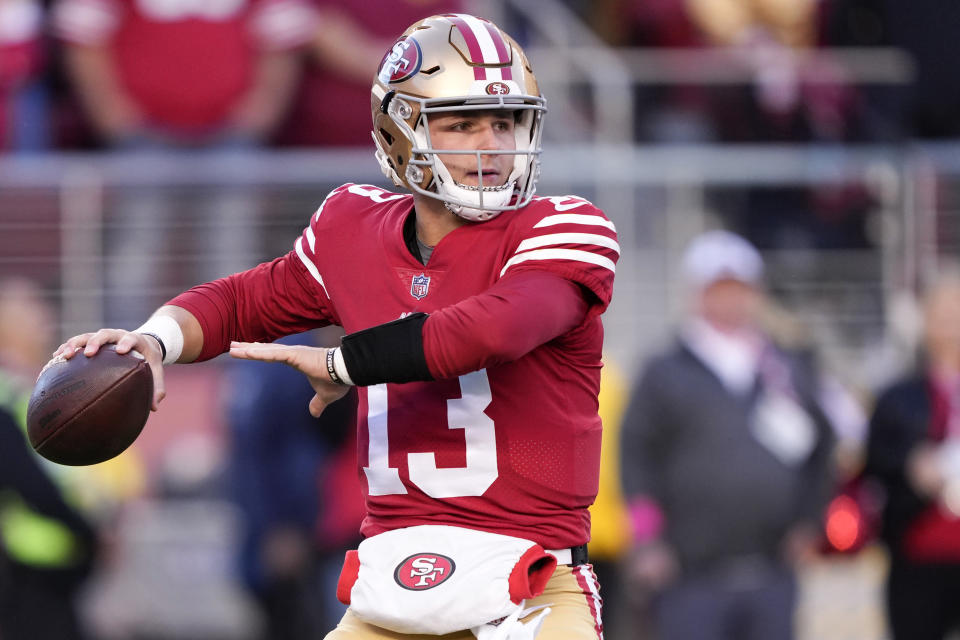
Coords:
pixel 497 89
pixel 402 62
pixel 424 571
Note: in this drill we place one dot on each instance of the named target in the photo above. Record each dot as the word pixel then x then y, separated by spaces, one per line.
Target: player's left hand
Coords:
pixel 310 361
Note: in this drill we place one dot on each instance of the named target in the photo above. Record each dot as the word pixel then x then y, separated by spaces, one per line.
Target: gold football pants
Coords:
pixel 572 593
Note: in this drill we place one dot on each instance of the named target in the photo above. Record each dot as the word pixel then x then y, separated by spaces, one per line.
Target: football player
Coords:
pixel 472 311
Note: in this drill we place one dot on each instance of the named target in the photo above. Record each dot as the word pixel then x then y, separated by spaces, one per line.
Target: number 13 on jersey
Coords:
pixel 465 412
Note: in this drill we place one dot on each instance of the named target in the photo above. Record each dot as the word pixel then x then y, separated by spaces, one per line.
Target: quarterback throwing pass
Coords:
pixel 472 311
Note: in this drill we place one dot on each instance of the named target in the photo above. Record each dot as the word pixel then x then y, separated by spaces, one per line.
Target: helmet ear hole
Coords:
pixel 386 100
pixel 399 160
pixel 386 136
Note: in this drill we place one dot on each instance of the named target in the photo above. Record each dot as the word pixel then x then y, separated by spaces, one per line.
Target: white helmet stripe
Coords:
pixel 503 51
pixel 487 48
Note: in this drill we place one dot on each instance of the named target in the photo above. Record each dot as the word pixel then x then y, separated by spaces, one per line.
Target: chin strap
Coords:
pixel 447 187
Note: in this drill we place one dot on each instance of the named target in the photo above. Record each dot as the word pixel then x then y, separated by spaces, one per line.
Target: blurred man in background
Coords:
pixel 165 75
pixel 725 461
pixel 46 545
pixel 914 451
pixel 183 74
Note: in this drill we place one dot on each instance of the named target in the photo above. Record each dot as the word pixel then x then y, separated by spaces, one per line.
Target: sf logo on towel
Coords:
pixel 423 571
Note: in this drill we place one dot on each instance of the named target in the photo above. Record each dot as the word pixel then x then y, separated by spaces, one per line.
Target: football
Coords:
pixel 87 410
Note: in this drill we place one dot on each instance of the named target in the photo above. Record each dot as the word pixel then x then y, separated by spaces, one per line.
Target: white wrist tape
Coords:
pixel 169 332
pixel 341 367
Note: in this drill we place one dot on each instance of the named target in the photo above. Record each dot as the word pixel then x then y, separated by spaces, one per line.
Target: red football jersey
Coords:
pixel 513 448
pixel 186 63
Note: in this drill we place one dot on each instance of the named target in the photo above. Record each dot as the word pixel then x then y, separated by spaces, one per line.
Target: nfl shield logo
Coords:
pixel 420 286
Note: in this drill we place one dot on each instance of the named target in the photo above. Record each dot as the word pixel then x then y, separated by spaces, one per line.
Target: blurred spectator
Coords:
pixel 23 125
pixel 914 451
pixel 725 461
pixel 46 545
pixel 784 96
pixel 23 353
pixel 183 73
pixel 279 459
pixel 790 98
pixel 158 75
pixel 787 97
pixel 332 108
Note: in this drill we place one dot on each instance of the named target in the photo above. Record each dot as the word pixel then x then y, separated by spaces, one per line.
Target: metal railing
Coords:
pixel 60 216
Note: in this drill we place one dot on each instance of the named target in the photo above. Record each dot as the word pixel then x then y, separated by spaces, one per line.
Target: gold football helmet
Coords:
pixel 454 62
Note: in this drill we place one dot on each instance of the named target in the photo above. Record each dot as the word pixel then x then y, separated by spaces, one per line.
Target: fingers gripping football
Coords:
pixel 310 361
pixel 126 341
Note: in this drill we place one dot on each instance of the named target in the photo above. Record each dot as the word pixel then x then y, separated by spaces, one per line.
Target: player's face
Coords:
pixel 480 131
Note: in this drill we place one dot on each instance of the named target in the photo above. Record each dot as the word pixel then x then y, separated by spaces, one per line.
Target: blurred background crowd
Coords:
pixel 781 396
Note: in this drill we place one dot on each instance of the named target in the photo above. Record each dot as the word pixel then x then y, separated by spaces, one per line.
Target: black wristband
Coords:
pixel 390 352
pixel 163 347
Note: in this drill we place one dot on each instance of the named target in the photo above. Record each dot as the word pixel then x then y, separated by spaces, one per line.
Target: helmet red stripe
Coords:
pixel 476 54
pixel 502 52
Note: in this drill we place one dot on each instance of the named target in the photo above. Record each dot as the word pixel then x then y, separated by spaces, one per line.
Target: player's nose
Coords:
pixel 489 138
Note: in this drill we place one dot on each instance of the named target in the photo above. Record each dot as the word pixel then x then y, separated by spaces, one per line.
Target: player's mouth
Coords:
pixel 485 177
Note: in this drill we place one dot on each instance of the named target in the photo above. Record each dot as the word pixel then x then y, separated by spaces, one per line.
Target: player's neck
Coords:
pixel 434 221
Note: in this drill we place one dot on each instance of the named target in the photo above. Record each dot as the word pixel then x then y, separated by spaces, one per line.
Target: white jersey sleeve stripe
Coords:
pixel 312 268
pixel 575 218
pixel 561 254
pixel 569 238
pixel 311 240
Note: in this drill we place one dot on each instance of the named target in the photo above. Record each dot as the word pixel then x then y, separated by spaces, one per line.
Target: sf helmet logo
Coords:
pixel 497 89
pixel 424 571
pixel 402 62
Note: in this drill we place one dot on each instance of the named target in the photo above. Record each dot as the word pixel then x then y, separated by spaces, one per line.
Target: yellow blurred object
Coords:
pixel 610 533
pixel 101 487
pixel 32 539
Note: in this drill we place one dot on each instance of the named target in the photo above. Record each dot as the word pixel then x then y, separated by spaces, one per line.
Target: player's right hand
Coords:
pixel 126 341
